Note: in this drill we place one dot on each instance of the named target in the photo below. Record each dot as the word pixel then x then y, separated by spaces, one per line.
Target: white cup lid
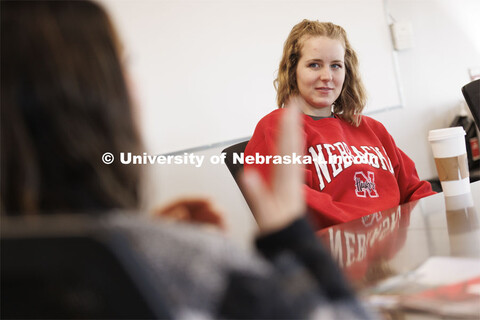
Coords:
pixel 446 133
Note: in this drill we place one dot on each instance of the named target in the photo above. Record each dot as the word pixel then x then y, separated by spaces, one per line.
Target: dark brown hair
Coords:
pixel 352 99
pixel 64 103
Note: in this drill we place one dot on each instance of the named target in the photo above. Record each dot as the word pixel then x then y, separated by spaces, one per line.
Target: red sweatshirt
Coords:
pixel 359 170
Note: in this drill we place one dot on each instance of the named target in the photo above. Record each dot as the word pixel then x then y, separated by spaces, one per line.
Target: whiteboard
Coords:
pixel 203 71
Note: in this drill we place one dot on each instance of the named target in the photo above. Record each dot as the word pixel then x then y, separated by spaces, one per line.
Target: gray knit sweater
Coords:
pixel 199 274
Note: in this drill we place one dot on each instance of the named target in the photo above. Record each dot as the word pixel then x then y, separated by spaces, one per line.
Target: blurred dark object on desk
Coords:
pixel 435 183
pixel 471 92
pixel 471 137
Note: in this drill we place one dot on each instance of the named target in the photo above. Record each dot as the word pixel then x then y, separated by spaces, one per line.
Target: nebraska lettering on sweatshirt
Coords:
pixel 355 170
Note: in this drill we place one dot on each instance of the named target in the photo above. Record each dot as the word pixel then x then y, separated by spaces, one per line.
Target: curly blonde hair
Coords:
pixel 352 99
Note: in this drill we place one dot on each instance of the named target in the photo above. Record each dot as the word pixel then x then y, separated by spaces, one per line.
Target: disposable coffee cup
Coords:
pixel 450 153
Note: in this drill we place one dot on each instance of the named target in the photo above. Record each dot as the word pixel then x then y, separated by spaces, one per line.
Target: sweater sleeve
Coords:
pixel 305 282
pixel 410 186
pixel 300 239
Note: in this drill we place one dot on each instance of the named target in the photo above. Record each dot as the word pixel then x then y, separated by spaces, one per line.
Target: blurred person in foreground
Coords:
pixel 65 102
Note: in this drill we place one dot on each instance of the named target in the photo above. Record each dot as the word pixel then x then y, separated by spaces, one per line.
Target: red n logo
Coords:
pixel 365 184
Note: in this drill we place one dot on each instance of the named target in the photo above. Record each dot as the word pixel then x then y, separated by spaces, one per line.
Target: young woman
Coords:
pixel 356 168
pixel 64 103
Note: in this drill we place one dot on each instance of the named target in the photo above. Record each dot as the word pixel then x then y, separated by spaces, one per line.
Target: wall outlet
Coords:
pixel 402 35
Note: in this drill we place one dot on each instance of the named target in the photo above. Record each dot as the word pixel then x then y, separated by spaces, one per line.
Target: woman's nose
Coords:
pixel 325 74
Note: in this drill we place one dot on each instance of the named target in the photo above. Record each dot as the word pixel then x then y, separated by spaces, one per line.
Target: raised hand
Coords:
pixel 279 204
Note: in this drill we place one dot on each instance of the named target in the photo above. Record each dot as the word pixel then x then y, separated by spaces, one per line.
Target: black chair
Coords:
pixel 471 92
pixel 236 168
pixel 61 267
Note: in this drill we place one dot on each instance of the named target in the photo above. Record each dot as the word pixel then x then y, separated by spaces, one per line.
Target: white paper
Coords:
pixel 446 270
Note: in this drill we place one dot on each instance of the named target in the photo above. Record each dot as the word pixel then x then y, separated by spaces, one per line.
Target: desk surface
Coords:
pixel 394 243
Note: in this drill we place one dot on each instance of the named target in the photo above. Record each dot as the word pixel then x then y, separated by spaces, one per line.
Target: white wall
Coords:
pixel 446 45
pixel 205 69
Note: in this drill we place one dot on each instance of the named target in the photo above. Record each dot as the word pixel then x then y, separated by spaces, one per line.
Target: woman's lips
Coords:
pixel 324 89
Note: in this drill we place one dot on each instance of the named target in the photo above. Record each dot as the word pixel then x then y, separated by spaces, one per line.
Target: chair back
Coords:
pixel 56 267
pixel 236 168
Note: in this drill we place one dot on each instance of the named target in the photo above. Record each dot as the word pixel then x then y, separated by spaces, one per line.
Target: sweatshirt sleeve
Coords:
pixel 410 186
pixel 305 282
pixel 300 239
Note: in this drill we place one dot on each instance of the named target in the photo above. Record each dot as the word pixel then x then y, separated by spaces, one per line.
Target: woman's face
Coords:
pixel 320 74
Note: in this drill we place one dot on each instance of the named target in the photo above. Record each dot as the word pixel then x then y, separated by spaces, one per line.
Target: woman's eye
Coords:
pixel 336 66
pixel 313 65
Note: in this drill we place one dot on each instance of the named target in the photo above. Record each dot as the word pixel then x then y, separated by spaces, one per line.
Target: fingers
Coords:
pixel 277 206
pixel 293 102
pixel 256 192
pixel 288 178
pixel 261 200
